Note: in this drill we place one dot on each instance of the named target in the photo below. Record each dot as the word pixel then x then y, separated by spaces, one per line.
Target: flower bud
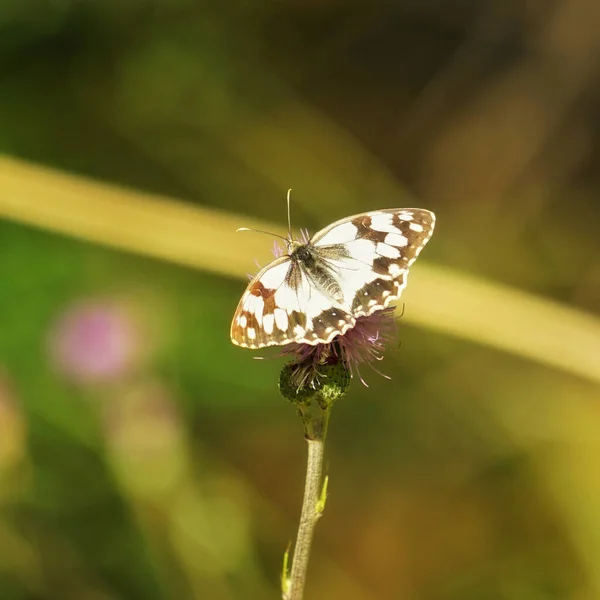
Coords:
pixel 301 383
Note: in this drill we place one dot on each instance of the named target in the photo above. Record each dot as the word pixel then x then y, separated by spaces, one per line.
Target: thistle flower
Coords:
pixel 318 376
pixel 361 261
pixel 340 359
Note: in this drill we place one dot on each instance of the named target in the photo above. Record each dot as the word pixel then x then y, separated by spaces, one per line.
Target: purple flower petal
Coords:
pixel 277 249
pixel 363 344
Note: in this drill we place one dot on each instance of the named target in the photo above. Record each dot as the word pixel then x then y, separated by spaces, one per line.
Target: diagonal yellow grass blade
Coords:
pixel 441 299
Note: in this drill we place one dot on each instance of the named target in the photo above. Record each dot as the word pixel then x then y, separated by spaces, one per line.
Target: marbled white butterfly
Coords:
pixel 353 268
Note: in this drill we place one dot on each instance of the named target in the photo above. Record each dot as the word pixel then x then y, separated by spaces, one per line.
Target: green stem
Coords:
pixel 318 391
pixel 315 419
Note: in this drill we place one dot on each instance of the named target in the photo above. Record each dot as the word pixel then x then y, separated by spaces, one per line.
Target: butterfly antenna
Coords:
pixel 260 231
pixel 289 194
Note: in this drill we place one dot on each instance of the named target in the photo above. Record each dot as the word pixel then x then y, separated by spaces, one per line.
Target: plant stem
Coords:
pixel 315 428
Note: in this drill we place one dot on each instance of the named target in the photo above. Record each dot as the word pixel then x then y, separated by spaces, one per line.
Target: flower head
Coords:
pixel 362 344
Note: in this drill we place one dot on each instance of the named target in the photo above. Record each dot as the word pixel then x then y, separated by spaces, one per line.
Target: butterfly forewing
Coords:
pixel 357 266
pixel 380 247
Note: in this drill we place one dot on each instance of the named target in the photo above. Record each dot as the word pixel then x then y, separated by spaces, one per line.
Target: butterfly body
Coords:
pixel 351 269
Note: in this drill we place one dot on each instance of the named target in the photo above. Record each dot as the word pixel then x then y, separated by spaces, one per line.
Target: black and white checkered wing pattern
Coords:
pixel 372 254
pixel 281 305
pixel 351 269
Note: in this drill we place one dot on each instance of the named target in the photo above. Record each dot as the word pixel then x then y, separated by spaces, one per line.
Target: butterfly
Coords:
pixel 351 269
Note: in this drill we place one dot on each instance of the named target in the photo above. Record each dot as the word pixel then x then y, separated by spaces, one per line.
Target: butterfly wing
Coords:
pixel 370 254
pixel 281 305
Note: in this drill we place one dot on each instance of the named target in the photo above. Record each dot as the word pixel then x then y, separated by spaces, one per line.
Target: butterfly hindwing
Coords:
pixel 281 305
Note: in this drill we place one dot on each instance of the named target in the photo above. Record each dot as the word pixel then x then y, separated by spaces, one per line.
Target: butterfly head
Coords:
pixel 300 252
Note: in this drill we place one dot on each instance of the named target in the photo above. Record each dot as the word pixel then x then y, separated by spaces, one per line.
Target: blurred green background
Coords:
pixel 144 456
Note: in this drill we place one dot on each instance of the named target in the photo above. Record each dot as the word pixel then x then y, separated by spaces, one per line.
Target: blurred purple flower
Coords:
pixel 363 344
pixel 96 341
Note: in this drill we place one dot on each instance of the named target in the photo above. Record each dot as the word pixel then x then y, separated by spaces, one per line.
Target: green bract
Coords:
pixel 301 383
